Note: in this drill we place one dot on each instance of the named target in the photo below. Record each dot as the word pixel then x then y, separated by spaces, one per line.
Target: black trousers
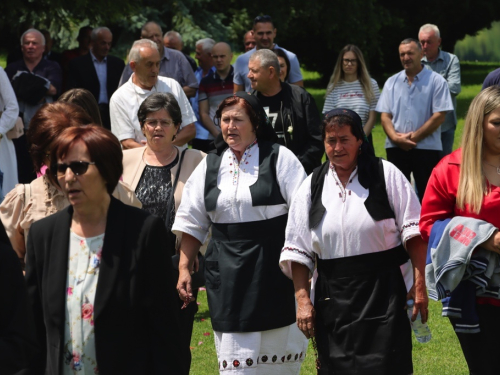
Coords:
pixel 481 349
pixel 104 112
pixel 420 162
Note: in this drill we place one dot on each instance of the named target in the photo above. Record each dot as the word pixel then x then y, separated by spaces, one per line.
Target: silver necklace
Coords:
pixel 494 166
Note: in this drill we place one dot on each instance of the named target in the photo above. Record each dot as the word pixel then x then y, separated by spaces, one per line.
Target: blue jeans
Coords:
pixel 447 139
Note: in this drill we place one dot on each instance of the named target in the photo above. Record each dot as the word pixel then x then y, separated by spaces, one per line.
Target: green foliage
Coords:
pixel 481 47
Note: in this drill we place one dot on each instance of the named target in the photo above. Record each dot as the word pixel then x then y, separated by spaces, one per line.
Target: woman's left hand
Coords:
pixel 306 317
pixel 419 296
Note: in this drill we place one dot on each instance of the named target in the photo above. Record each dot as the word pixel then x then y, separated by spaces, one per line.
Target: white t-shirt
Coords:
pixel 125 102
pixel 350 95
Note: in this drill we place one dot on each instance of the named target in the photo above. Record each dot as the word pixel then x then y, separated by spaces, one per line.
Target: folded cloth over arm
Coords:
pixel 30 88
pixel 458 269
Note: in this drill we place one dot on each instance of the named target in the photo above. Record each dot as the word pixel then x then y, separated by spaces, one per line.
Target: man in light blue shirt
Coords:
pixel 264 33
pixel 413 105
pixel 448 66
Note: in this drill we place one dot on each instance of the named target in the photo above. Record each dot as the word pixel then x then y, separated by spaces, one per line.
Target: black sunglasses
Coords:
pixel 77 167
pixel 265 18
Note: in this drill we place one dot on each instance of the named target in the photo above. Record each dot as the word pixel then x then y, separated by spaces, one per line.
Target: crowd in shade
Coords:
pixel 124 188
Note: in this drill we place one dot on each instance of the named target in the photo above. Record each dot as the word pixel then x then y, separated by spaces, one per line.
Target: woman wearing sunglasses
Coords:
pixel 98 276
pixel 157 173
pixel 27 203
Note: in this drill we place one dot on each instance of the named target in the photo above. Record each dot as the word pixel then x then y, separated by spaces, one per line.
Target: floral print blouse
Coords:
pixel 83 272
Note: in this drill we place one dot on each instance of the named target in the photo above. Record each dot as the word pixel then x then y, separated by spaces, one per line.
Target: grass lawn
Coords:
pixel 442 355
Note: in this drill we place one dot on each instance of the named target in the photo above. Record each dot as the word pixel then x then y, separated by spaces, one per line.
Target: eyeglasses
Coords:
pixel 77 167
pixel 164 123
pixel 349 61
pixel 265 18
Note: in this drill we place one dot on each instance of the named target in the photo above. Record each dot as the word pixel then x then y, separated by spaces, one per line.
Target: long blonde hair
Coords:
pixel 362 73
pixel 472 183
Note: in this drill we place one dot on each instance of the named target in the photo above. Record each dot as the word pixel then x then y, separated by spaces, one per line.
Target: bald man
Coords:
pixel 248 40
pixel 214 88
pixel 173 64
pixel 172 39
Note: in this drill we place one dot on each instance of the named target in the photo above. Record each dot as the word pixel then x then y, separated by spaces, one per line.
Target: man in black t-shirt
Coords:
pixel 291 109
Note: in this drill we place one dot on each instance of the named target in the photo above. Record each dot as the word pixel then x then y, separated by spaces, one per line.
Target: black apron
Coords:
pixel 246 290
pixel 361 325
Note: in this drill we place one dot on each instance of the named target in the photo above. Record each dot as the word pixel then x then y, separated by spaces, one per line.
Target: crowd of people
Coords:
pixel 126 187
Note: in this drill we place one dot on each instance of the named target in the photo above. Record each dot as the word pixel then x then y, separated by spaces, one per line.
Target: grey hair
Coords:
pixel 267 58
pixel 207 44
pixel 95 32
pixel 173 33
pixel 158 101
pixel 135 53
pixel 33 31
pixel 143 28
pixel 430 26
pixel 412 40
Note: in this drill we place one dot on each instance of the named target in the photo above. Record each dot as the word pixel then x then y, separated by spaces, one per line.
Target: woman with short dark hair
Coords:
pixel 157 174
pixel 98 276
pixel 241 193
pixel 28 203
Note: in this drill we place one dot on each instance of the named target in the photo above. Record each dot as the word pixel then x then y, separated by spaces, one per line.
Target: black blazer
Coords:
pixel 17 336
pixel 136 316
pixel 82 75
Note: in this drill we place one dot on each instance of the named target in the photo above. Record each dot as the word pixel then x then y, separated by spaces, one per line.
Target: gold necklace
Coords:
pixel 160 164
pixel 494 166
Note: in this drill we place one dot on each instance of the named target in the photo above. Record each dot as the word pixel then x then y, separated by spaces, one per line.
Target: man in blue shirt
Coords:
pixel 264 33
pixel 448 66
pixel 413 105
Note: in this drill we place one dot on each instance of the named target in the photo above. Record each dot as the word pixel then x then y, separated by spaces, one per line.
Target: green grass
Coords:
pixel 442 355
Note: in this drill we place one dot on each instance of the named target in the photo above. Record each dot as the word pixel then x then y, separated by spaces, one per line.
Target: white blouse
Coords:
pixel 347 229
pixel 79 354
pixel 234 203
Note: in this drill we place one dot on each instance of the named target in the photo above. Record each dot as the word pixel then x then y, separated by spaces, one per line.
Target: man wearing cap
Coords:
pixel 448 66
pixel 413 105
pixel 264 33
pixel 291 109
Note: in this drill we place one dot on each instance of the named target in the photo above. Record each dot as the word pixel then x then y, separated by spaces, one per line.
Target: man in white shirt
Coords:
pixel 144 60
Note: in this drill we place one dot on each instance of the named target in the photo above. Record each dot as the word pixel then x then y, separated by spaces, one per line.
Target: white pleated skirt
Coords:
pixel 278 351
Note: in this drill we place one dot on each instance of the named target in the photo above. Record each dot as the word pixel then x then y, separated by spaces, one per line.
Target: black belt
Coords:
pixel 363 264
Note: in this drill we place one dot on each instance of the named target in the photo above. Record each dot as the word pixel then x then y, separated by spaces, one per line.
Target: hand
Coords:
pixel 492 243
pixel 305 318
pixel 403 141
pixel 421 301
pixel 184 286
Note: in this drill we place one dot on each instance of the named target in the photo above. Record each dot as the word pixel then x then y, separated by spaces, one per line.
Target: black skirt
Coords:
pixel 361 324
pixel 246 290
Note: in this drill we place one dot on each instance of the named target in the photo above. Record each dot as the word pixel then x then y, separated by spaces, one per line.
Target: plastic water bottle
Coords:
pixel 421 330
